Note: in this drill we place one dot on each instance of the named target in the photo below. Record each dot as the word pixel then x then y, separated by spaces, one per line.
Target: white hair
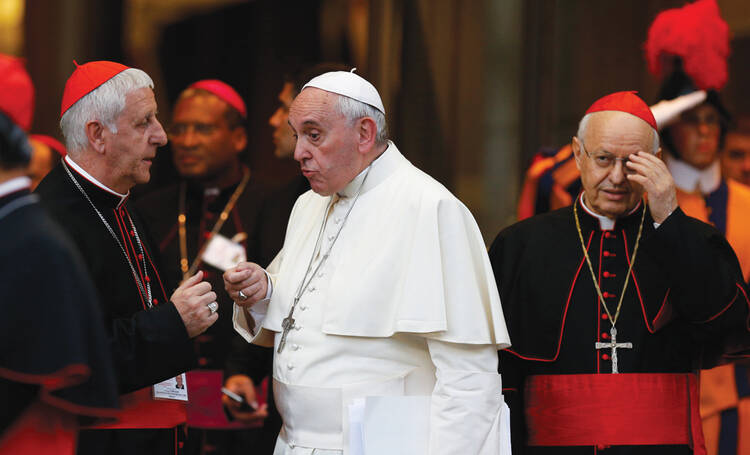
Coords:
pixel 353 110
pixel 585 121
pixel 104 104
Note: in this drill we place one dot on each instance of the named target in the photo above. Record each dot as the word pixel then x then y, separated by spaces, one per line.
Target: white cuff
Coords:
pixel 257 313
pixel 468 413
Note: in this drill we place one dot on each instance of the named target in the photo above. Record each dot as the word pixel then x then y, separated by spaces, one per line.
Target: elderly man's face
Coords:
pixel 696 136
pixel 283 136
pixel 326 141
pixel 735 158
pixel 130 151
pixel 611 135
pixel 203 145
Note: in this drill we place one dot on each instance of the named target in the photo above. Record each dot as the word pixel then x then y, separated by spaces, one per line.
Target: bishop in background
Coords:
pixel 613 302
pixel 383 288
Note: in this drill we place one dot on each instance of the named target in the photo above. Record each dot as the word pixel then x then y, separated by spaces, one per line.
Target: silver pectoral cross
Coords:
pixel 613 344
pixel 287 324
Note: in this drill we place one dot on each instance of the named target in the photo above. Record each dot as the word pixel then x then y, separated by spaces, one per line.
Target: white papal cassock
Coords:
pixel 405 304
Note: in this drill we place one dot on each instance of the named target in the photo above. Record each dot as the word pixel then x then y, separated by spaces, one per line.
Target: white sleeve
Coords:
pixel 467 410
pixel 248 322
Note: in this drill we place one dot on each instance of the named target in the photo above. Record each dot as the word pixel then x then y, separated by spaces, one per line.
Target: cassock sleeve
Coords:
pixel 151 346
pixel 707 287
pixel 467 414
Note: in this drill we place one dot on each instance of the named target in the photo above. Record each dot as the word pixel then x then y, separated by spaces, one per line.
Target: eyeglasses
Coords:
pixel 606 160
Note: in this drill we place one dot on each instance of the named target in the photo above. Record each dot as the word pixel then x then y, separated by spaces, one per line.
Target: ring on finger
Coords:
pixel 241 295
pixel 213 307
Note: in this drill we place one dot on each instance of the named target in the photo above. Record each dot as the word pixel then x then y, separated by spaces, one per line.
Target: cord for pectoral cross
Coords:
pixel 144 287
pixel 612 319
pixel 288 322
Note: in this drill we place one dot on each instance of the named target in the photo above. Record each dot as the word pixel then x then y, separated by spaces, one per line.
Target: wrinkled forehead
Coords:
pixel 313 104
pixel 140 99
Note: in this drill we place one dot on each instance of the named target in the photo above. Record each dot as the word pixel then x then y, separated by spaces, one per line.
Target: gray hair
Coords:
pixel 353 110
pixel 104 104
pixel 585 121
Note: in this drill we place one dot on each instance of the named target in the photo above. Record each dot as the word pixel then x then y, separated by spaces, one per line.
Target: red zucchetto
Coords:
pixel 86 78
pixel 224 91
pixel 17 99
pixel 624 102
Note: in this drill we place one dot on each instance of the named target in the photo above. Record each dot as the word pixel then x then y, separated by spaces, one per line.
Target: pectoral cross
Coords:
pixel 613 344
pixel 287 324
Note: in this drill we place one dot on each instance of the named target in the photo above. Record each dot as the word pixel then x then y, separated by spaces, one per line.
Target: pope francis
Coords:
pixel 381 306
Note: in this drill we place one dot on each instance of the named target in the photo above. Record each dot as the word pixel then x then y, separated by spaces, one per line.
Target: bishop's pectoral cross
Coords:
pixel 287 324
pixel 613 344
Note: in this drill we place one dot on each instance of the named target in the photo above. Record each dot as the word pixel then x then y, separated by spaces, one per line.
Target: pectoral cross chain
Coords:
pixel 287 324
pixel 614 345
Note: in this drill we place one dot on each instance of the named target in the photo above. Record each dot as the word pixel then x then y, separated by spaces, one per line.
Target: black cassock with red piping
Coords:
pixel 685 305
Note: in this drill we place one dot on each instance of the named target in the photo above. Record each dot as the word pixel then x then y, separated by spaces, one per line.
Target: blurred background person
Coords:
pixel 55 365
pixel 735 154
pixel 690 58
pixel 207 221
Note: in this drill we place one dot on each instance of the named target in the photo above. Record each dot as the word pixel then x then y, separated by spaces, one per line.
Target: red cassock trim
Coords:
pixel 565 312
pixel 124 238
pixel 67 376
pixel 649 327
pixel 618 409
pixel 150 261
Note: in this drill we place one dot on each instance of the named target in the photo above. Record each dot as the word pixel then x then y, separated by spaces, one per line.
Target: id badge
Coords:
pixel 172 389
pixel 223 253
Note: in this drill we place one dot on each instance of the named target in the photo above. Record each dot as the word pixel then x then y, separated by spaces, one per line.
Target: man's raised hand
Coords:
pixel 652 174
pixel 246 284
pixel 192 300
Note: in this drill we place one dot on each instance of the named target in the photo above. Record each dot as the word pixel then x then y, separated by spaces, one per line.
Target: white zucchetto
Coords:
pixel 350 85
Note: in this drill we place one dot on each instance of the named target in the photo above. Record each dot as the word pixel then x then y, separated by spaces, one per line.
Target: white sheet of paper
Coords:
pixel 505 428
pixel 396 425
pixel 172 389
pixel 356 416
pixel 223 253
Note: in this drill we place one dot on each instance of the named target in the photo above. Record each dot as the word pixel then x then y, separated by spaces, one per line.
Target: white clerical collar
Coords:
pixel 96 182
pixel 380 168
pixel 605 223
pixel 14 184
pixel 689 179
